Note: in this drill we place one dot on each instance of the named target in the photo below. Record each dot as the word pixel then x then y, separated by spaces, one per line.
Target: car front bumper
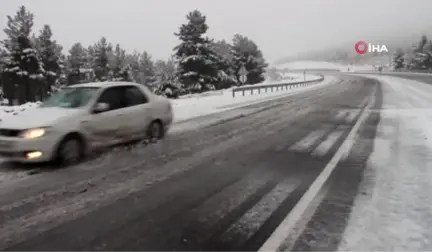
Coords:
pixel 36 150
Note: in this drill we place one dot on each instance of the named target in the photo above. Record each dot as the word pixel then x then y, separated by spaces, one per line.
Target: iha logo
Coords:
pixel 362 47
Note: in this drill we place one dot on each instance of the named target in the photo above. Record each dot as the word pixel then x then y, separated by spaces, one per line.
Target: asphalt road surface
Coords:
pixel 224 186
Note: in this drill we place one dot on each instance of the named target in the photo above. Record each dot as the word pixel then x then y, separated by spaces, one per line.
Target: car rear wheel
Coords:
pixel 155 131
pixel 69 151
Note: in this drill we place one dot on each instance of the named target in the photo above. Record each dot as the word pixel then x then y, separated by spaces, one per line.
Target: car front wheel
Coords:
pixel 69 151
pixel 155 131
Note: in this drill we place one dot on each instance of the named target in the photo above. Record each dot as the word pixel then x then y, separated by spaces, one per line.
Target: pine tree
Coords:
pixel 118 61
pixel 195 56
pixel 3 55
pixel 248 54
pixel 398 59
pixel 167 84
pixel 132 61
pixel 19 25
pixel 227 65
pixel 50 53
pixel 146 68
pixel 76 62
pixel 101 67
pixel 421 57
pixel 23 69
pixel 25 72
pixel 77 56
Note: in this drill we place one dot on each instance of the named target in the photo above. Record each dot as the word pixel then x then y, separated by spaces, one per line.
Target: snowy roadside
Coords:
pixel 287 78
pixel 394 210
pixel 185 109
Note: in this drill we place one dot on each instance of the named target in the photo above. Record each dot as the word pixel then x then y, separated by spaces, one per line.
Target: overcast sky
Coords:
pixel 279 27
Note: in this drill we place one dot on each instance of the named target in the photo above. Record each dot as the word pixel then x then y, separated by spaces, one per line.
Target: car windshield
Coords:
pixel 70 97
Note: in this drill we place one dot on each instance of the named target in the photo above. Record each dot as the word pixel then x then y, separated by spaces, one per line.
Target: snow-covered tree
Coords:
pixel 195 56
pixel 77 63
pixel 227 64
pixel 248 54
pixel 122 71
pixel 3 55
pixel 24 72
pixel 167 84
pixel 101 67
pixel 118 60
pixel 146 69
pixel 16 26
pixel 422 57
pixel 77 57
pixel 399 59
pixel 132 61
pixel 165 70
pixel 50 54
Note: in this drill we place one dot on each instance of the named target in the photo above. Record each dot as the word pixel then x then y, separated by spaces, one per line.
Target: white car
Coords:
pixel 81 118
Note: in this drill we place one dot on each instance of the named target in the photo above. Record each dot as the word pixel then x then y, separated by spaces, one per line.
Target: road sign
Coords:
pixel 243 78
pixel 242 71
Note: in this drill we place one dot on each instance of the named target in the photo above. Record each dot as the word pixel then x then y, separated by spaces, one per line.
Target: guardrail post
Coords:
pixel 251 91
pixel 243 91
pixel 233 93
pixel 259 90
pixel 265 89
pixel 272 88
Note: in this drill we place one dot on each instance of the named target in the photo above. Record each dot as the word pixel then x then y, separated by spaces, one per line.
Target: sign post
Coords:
pixel 242 74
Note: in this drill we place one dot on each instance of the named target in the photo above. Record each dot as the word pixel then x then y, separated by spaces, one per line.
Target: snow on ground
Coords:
pixel 193 107
pixel 395 211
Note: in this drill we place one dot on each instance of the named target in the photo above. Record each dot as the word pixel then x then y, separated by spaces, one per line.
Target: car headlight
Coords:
pixel 33 133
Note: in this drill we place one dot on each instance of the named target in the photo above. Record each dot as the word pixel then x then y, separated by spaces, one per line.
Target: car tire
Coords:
pixel 155 131
pixel 69 151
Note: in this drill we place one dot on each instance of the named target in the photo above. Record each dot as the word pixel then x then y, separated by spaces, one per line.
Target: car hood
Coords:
pixel 35 117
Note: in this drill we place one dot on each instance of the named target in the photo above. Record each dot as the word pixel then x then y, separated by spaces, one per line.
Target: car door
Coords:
pixel 139 112
pixel 105 128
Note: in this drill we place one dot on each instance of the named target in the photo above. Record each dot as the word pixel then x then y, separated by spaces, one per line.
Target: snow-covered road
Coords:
pixel 393 212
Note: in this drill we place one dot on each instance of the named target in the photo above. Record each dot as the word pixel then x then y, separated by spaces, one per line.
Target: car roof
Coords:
pixel 104 84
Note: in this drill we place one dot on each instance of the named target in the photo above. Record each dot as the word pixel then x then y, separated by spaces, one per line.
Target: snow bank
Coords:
pixel 198 106
pixel 394 212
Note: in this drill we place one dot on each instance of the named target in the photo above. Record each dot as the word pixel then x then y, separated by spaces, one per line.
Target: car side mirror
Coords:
pixel 100 107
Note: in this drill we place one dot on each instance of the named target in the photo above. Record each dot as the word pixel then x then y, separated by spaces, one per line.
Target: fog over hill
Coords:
pixel 345 53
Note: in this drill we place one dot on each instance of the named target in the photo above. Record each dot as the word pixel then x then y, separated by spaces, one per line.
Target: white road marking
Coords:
pixel 287 225
pixel 328 143
pixel 308 141
pixel 255 217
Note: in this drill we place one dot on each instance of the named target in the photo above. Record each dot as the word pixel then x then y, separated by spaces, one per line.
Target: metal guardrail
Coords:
pixel 271 87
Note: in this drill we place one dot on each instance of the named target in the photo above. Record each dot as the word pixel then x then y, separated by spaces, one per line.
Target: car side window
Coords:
pixel 134 96
pixel 114 97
